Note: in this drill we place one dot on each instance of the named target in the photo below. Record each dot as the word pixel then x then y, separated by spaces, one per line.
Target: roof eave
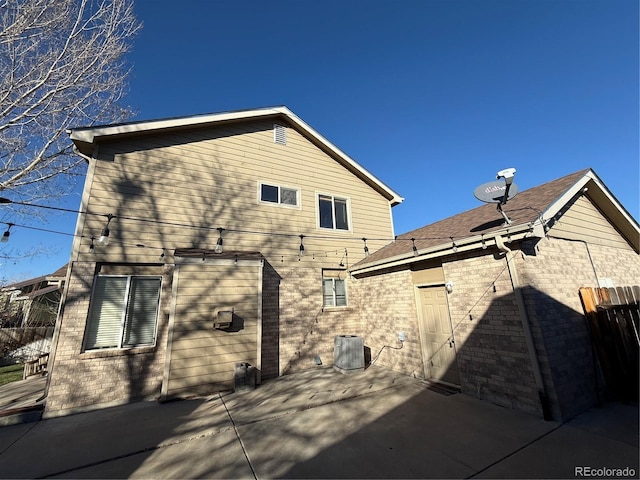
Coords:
pixel 476 242
pixel 602 197
pixel 85 139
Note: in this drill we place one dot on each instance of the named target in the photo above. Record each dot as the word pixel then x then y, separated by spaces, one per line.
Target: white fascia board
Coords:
pixel 559 203
pixel 578 188
pixel 395 199
pixel 516 233
pixel 89 136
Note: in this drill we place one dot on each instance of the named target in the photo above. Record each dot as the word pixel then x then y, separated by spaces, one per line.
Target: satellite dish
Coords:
pixel 493 192
pixel 498 191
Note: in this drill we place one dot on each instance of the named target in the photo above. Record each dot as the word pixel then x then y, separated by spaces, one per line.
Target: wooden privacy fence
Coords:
pixel 613 316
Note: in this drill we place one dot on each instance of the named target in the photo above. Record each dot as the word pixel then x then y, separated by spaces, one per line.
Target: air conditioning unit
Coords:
pixel 348 353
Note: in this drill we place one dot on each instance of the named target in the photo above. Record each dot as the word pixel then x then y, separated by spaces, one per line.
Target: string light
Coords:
pixel 218 248
pixel 301 246
pixel 185 225
pixel 104 236
pixel 7 233
pixel 91 247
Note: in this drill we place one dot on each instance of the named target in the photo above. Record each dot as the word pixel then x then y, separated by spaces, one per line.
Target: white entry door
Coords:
pixel 436 336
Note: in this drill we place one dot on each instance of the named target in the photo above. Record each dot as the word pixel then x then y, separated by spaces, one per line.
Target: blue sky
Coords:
pixel 432 97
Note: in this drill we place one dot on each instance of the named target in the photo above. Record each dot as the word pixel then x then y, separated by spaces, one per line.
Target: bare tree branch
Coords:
pixel 62 64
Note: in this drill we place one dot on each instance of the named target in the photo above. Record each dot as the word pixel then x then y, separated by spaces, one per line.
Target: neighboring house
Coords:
pixel 494 308
pixel 205 242
pixel 28 312
pixel 33 302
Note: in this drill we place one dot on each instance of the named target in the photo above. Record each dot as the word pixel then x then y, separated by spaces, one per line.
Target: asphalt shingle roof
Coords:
pixel 524 208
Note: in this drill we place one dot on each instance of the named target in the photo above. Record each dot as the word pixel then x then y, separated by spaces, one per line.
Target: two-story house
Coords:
pixel 208 241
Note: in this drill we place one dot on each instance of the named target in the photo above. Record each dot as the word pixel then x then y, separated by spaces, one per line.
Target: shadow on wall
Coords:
pixel 154 198
pixel 270 321
pixel 147 198
pixel 495 362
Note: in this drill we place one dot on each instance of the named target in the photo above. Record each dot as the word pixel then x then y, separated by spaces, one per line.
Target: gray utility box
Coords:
pixel 244 376
pixel 348 353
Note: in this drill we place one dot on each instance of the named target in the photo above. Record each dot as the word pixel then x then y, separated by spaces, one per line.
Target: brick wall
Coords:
pixel 306 330
pixel 621 266
pixel 492 353
pixel 81 381
pixel 270 361
pixel 387 306
pixel 553 276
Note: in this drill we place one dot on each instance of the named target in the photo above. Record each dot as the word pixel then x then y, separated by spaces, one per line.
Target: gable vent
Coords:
pixel 280 134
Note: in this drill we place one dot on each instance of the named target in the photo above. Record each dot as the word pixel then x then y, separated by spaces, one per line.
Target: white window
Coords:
pixel 334 289
pixel 278 195
pixel 123 312
pixel 333 212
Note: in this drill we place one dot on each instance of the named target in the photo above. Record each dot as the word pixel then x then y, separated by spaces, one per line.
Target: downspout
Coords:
pixel 524 317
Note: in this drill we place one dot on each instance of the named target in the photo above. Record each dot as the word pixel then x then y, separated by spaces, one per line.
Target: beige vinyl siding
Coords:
pixel 203 358
pixel 210 179
pixel 583 221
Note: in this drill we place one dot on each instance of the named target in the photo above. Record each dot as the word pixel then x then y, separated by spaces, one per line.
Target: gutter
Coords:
pixel 528 230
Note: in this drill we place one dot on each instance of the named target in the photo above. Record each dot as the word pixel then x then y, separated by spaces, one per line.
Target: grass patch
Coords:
pixel 11 373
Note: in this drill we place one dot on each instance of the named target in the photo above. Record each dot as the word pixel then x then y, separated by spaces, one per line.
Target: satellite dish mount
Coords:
pixel 507 174
pixel 498 192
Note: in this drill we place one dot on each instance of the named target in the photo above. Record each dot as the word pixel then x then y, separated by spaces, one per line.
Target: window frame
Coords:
pixel 333 278
pixel 279 203
pixel 126 311
pixel 347 202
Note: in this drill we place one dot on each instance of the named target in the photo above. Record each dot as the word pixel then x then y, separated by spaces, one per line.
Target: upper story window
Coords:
pixel 123 312
pixel 333 212
pixel 279 195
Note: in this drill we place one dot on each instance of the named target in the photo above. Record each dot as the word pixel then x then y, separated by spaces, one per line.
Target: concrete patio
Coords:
pixel 322 424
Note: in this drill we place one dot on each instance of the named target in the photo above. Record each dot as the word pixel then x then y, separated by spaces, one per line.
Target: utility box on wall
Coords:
pixel 348 353
pixel 223 319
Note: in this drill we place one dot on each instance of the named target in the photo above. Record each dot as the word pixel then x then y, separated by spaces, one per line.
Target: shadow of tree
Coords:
pixel 164 193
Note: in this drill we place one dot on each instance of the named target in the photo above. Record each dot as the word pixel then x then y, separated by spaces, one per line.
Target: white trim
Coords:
pixel 297 206
pixel 518 232
pixel 554 208
pixel 393 228
pixel 333 198
pixel 335 296
pixel 85 138
pixel 164 389
pixel 123 319
pixel 84 202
